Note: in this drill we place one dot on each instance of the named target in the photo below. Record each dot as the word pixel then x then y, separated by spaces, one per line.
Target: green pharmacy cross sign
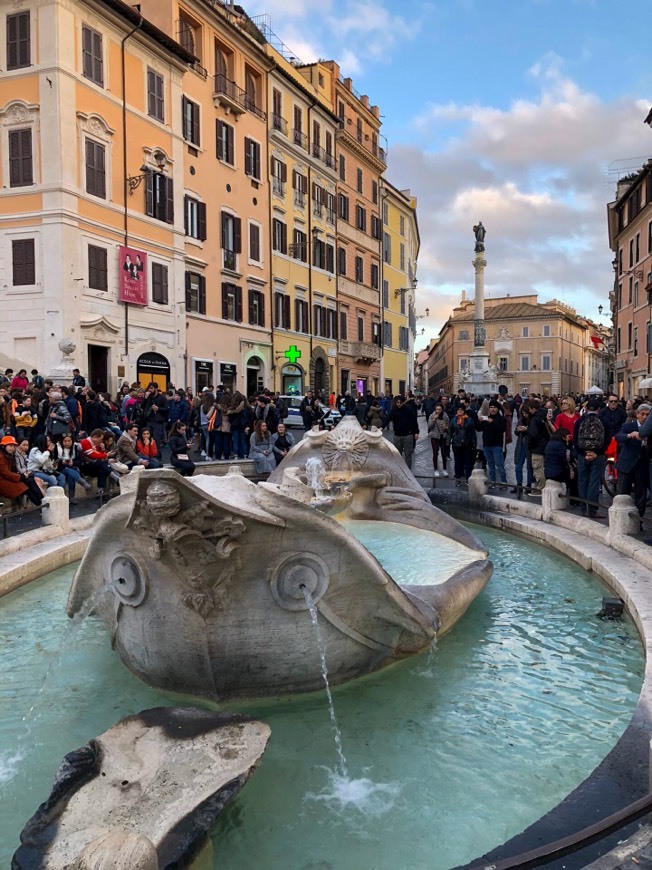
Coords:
pixel 292 354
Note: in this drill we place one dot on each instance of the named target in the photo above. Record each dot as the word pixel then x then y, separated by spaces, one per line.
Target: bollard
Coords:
pixel 552 499
pixel 477 486
pixel 129 482
pixel 623 517
pixel 56 509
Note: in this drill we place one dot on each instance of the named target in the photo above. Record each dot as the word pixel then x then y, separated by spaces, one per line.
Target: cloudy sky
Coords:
pixel 519 113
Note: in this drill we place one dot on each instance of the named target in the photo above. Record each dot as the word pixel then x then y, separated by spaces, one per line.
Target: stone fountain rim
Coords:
pixel 39 552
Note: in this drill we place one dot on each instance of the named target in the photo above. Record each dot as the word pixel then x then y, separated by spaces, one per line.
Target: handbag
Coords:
pixel 120 467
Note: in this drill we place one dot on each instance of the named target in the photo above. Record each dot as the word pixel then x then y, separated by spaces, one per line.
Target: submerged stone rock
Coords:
pixel 145 794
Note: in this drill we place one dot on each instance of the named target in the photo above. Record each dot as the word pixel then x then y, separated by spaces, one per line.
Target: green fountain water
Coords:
pixel 448 754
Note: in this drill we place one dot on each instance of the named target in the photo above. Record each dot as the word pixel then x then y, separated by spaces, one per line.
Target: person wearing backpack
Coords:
pixel 591 439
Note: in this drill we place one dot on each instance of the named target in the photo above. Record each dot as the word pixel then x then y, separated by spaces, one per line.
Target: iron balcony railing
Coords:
pixel 237 95
pixel 299 198
pixel 278 186
pixel 279 123
pixel 299 138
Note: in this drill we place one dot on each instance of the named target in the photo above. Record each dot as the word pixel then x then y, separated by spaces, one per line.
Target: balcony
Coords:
pixel 299 198
pixel 363 351
pixel 278 186
pixel 317 208
pixel 233 98
pixel 329 160
pixel 299 138
pixel 279 123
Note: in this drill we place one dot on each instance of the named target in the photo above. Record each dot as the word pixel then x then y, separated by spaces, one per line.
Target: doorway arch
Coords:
pixel 153 368
pixel 254 375
pixel 320 371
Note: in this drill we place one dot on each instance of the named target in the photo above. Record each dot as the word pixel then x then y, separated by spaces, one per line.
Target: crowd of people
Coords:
pixel 55 435
pixel 569 439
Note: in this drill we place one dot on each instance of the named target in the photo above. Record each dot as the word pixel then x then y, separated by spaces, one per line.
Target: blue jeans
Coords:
pixel 222 442
pixel 153 463
pixel 520 458
pixel 495 463
pixel 589 477
pixel 54 479
pixel 72 476
pixel 240 443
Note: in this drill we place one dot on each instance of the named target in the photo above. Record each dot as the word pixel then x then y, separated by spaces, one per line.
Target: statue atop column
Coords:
pixel 480 233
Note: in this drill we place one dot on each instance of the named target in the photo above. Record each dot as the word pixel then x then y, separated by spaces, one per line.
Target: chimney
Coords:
pixel 463 296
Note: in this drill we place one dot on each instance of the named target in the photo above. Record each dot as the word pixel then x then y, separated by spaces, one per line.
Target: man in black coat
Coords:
pixel 613 415
pixel 406 428
pixel 633 464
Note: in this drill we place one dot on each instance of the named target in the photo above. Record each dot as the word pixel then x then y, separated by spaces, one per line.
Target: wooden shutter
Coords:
pixel 186 223
pixel 238 304
pixel 20 158
pixel 254 242
pixel 330 258
pixel 196 130
pixel 18 40
pixel 225 301
pixel 223 219
pixel 187 128
pixel 188 293
pixel 202 295
pixel 284 173
pixel 149 193
pixel 256 157
pixel 230 145
pixel 169 200
pixel 201 220
pixel 286 312
pixel 294 180
pixel 261 310
pixel 248 160
pixel 252 312
pixel 219 141
pixel 160 284
pixel 237 235
pixel 23 262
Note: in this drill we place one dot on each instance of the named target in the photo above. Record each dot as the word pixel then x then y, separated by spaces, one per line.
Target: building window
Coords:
pixel 343 207
pixel 317 200
pixel 375 227
pixel 629 336
pixel 92 57
pixel 359 180
pixel 256 308
pixel 636 341
pixel 359 269
pixel 330 259
pixel 319 320
pixel 342 168
pixel 195 218
pixel 252 158
pixel 402 257
pixel 404 338
pixel 525 332
pixel 254 243
pixel 155 102
pixel 278 122
pixel 385 214
pixel 631 291
pixel 374 192
pixel 358 129
pixel 231 239
pixel 402 225
pixel 231 302
pixel 195 293
pixel 301 315
pixel 331 323
pixel 279 177
pixel 225 143
pixel 638 247
pixel 252 90
pixel 299 246
pixel 95 169
pixel 525 363
pixel 464 335
pixel 387 334
pixel 636 294
pixel 279 236
pixel 330 208
pixel 23 262
pixel 503 364
pixel 190 36
pixel 375 332
pixel 387 248
pixel 318 254
pixel 21 173
pixel 300 187
pixel 282 311
pixel 98 277
pixel 385 294
pixel 344 327
pixel 159 284
pixel 402 298
pixel 546 330
pixel 361 218
pixel 191 128
pixel 375 275
pixel 341 261
pixel 159 197
pixel 546 362
pixel 464 363
pixel 18 41
pixel 360 328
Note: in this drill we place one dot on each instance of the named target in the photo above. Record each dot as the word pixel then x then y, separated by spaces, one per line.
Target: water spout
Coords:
pixel 316 476
pixel 312 607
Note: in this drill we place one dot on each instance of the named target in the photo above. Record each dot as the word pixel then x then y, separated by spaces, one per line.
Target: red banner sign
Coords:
pixel 133 276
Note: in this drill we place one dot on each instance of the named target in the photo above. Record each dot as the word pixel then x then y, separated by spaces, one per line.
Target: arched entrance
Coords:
pixel 320 371
pixel 153 368
pixel 254 375
pixel 292 380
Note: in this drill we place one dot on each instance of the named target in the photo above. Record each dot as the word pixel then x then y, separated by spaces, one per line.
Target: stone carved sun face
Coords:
pixel 345 447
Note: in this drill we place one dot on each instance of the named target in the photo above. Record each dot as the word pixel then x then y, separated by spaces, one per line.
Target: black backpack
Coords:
pixel 590 434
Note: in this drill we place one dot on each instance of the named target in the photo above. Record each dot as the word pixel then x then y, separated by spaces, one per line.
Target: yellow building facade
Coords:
pixel 72 136
pixel 302 180
pixel 400 253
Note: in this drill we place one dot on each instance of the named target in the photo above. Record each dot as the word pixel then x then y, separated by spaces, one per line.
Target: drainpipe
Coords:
pixel 125 183
pixel 311 241
pixel 271 260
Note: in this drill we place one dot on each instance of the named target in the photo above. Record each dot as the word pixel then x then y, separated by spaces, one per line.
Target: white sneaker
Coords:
pixel 436 474
pixel 204 455
pixel 444 474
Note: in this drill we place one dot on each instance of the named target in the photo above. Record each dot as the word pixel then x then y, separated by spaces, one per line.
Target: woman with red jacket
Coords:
pixel 146 449
pixel 13 484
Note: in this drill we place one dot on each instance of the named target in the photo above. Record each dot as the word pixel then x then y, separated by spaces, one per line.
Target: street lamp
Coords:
pixel 422 316
pixel 600 310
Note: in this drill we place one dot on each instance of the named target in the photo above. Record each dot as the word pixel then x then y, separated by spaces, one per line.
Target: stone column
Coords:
pixel 623 517
pixel 479 332
pixel 552 499
pixel 56 509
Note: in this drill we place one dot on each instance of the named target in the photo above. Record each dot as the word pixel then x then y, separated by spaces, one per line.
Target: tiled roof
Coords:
pixel 509 311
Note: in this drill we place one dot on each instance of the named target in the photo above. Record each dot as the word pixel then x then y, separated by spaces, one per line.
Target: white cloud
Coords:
pixel 535 174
